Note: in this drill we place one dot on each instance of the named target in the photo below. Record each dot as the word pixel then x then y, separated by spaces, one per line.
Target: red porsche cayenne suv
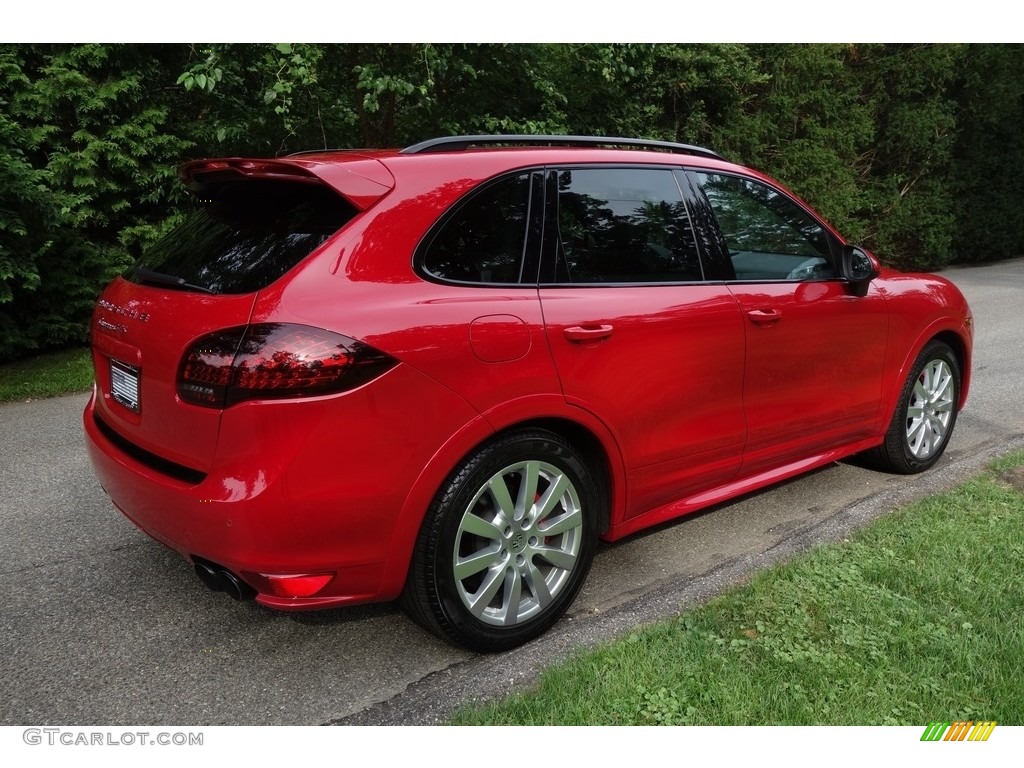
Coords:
pixel 441 373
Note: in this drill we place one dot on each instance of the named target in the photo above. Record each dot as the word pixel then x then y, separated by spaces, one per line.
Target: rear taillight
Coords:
pixel 275 360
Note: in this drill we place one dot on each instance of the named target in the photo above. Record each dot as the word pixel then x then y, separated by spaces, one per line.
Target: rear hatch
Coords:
pixel 255 220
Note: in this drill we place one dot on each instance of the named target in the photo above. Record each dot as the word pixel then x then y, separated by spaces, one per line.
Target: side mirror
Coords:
pixel 859 268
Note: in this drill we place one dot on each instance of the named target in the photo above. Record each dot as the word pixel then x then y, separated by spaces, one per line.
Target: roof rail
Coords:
pixel 332 149
pixel 459 143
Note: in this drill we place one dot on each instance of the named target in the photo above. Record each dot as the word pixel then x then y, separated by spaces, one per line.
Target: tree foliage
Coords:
pixel 988 154
pixel 913 150
pixel 90 154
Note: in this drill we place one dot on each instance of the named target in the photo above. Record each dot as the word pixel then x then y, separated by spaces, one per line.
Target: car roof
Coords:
pixel 459 143
pixel 492 155
pixel 365 175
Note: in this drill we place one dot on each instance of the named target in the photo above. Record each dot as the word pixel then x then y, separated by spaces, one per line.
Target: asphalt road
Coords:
pixel 100 625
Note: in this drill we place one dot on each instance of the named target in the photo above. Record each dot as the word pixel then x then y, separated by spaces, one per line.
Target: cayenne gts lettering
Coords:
pixel 112 327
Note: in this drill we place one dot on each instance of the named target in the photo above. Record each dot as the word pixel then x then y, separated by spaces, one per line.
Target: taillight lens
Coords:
pixel 275 360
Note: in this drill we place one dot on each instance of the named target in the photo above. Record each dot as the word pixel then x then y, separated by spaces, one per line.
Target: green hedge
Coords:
pixel 913 150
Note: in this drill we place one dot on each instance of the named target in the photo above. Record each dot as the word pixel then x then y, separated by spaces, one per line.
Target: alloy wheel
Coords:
pixel 517 543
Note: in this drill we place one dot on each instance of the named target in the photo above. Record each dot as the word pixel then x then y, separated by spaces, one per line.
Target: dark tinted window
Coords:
pixel 623 225
pixel 484 239
pixel 246 235
pixel 768 235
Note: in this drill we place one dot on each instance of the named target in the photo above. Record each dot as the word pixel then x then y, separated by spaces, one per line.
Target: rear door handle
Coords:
pixel 583 333
pixel 764 316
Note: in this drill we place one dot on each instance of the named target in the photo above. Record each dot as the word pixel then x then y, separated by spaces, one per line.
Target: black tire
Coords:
pixel 925 413
pixel 513 581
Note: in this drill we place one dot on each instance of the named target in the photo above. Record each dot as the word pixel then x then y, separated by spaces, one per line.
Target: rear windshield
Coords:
pixel 245 236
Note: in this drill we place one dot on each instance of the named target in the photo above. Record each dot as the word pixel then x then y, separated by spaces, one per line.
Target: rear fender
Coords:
pixel 514 414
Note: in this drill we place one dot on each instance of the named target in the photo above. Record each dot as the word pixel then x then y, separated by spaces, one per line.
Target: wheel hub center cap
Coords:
pixel 518 543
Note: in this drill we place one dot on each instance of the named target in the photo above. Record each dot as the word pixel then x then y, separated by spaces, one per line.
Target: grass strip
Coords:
pixel 916 618
pixel 47 375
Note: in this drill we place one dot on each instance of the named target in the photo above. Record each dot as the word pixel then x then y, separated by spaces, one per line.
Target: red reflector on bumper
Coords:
pixel 297 584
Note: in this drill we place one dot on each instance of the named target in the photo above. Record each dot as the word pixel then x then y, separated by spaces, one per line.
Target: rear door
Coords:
pixel 637 335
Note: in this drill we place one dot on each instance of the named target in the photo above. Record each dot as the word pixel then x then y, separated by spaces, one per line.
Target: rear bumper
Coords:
pixel 255 534
pixel 312 486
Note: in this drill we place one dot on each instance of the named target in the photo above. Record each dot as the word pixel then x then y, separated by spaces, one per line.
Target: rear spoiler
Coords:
pixel 360 180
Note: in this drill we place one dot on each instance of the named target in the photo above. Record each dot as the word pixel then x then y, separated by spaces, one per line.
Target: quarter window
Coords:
pixel 769 237
pixel 484 240
pixel 623 225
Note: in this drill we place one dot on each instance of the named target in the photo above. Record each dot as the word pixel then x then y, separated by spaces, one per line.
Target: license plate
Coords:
pixel 124 384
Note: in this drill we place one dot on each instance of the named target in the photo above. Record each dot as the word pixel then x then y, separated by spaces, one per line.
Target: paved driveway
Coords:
pixel 100 625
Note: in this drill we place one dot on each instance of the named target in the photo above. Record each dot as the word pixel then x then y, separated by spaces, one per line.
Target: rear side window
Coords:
pixel 246 235
pixel 623 225
pixel 484 239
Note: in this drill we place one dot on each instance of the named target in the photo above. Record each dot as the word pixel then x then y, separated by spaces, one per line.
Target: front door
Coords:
pixel 814 349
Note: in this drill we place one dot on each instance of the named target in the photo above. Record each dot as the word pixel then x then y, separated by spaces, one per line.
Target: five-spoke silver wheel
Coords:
pixel 518 542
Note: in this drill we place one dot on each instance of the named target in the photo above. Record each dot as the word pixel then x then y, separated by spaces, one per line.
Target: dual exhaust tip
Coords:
pixel 220 579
